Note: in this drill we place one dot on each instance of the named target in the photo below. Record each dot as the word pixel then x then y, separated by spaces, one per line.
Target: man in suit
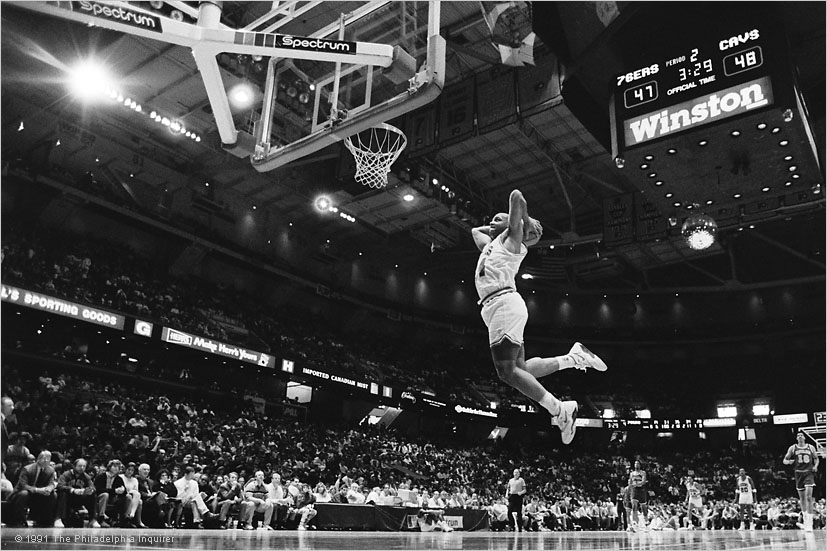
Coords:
pixel 36 490
pixel 152 499
pixel 6 410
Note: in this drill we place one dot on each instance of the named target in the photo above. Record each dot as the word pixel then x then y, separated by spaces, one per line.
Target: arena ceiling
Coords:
pixel 565 170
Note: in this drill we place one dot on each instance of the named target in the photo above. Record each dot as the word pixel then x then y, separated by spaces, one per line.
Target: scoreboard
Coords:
pixel 720 67
pixel 654 424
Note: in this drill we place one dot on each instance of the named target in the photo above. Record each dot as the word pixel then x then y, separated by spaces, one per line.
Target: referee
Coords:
pixel 516 491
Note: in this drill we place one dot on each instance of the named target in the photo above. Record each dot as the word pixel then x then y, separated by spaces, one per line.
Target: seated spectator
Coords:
pixel 533 515
pixel 191 498
pixel 229 499
pixel 208 491
pixel 17 454
pixel 170 504
pixel 729 517
pixel 34 495
pixel 708 517
pixel 498 514
pixel 152 501
pixel 6 487
pixel 354 494
pixel 281 501
pixel 374 497
pixel 322 493
pixel 432 519
pixel 255 501
pixel 111 492
pixel 76 492
pixel 134 503
pixel 305 506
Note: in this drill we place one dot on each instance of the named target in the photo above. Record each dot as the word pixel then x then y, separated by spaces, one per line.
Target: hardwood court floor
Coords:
pixel 108 539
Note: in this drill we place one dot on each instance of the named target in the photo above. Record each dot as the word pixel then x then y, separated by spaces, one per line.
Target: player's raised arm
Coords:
pixel 517 213
pixel 482 236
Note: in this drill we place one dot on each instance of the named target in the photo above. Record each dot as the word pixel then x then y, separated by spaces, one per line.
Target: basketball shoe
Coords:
pixel 565 420
pixel 585 358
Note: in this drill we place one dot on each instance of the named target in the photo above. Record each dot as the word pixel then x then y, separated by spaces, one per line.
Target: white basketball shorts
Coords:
pixel 505 316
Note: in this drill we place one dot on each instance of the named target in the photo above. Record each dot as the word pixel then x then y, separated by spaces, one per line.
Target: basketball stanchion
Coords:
pixel 375 150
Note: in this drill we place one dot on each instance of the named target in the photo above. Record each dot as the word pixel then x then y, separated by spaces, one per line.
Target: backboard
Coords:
pixel 325 69
pixel 309 104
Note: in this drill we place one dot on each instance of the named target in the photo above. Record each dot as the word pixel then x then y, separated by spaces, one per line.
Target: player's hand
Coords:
pixel 534 232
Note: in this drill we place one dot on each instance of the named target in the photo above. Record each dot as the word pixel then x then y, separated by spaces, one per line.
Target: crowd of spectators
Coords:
pixel 174 459
pixel 114 277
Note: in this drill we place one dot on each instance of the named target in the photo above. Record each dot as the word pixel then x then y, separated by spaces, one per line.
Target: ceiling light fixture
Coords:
pixel 322 203
pixel 699 231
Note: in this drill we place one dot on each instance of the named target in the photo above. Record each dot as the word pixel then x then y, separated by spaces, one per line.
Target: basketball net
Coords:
pixel 375 153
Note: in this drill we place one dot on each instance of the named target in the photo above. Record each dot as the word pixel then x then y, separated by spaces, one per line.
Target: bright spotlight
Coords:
pixel 88 81
pixel 242 95
pixel 408 197
pixel 322 203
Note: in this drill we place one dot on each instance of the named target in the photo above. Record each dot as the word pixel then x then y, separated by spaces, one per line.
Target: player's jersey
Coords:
pixel 497 267
pixel 744 485
pixel 804 458
pixel 694 490
pixel 636 478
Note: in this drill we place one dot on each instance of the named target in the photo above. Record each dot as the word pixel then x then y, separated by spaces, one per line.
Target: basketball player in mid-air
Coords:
pixel 504 244
pixel 804 457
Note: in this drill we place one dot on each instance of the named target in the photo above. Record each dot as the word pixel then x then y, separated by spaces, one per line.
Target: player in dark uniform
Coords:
pixel 803 456
pixel 639 495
